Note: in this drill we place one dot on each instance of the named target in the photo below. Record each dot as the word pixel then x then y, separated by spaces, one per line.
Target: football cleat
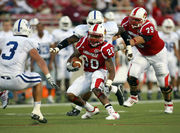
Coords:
pixel 73 112
pixel 168 107
pixel 89 114
pixel 36 115
pixel 131 101
pixel 4 98
pixel 113 116
pixel 119 95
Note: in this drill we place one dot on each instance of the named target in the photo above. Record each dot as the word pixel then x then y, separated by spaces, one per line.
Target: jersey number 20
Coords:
pixel 13 46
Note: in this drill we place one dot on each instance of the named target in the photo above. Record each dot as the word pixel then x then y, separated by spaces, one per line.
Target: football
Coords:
pixel 76 62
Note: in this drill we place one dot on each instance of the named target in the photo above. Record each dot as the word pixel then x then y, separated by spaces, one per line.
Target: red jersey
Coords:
pixel 151 47
pixel 94 57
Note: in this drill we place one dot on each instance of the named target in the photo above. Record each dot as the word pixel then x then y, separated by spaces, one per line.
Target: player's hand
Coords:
pixel 129 53
pixel 54 50
pixel 108 84
pixel 51 82
pixel 118 47
pixel 70 68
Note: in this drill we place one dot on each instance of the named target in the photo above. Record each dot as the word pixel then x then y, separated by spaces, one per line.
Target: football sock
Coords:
pixel 78 107
pixel 109 108
pixel 149 91
pixel 37 106
pixel 88 107
pixel 114 88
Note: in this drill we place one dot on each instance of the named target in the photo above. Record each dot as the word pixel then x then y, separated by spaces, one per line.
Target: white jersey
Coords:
pixel 170 41
pixel 110 26
pixel 14 54
pixel 64 54
pixel 6 34
pixel 44 44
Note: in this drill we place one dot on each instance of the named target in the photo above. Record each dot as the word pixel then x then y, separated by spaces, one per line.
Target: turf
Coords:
pixel 141 118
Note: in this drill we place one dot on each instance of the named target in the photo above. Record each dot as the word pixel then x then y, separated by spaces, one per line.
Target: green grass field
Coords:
pixel 144 117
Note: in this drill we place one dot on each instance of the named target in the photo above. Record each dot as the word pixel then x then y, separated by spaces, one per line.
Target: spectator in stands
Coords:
pixel 74 12
pixel 37 5
pixel 18 6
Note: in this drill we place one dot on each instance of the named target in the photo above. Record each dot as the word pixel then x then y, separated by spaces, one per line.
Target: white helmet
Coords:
pixel 95 17
pixel 168 26
pixel 65 23
pixel 34 21
pixel 96 35
pixel 109 15
pixel 137 17
pixel 21 27
pixel 153 21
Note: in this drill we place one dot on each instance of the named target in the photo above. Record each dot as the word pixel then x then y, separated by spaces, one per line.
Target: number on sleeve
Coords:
pixel 110 51
pixel 13 46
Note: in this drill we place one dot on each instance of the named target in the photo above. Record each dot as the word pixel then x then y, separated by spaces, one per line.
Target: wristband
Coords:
pixel 48 75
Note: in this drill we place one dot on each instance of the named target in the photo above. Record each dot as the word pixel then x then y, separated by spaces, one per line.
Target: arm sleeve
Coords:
pixel 80 31
pixel 108 51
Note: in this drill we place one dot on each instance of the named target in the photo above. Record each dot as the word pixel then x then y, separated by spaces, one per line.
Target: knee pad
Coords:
pixel 166 90
pixel 133 81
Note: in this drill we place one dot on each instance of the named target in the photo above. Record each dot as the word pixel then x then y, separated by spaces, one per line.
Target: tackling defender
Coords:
pixel 15 51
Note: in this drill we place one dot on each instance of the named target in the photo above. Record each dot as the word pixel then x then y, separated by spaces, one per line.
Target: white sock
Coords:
pixel 88 107
pixel 37 106
pixel 78 107
pixel 109 108
pixel 175 89
pixel 149 91
pixel 114 88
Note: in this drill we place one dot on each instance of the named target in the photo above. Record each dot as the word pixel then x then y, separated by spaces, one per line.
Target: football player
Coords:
pixel 139 32
pixel 171 42
pixel 15 51
pixel 65 30
pixel 97 55
pixel 45 41
pixel 94 17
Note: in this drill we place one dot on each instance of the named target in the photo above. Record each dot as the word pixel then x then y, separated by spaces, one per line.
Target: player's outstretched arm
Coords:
pixel 43 66
pixel 66 42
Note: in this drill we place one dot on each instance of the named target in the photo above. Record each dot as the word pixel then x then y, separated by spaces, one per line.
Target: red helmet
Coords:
pixel 137 17
pixel 96 35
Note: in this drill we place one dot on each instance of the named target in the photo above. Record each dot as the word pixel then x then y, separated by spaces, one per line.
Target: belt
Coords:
pixel 5 77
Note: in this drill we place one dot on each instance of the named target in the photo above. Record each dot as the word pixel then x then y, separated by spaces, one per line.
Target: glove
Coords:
pixel 108 86
pixel 70 68
pixel 51 81
pixel 129 53
pixel 54 50
pixel 118 47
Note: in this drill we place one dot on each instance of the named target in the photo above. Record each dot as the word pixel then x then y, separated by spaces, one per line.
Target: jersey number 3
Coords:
pixel 13 46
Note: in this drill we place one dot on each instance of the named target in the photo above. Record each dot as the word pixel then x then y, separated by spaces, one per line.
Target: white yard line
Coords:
pixel 93 103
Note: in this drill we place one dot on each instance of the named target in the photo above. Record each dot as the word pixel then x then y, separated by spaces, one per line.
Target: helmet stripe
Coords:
pixel 135 11
pixel 19 25
pixel 95 27
pixel 94 14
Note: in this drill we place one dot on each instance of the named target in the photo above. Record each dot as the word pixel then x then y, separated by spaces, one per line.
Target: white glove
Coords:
pixel 51 81
pixel 108 86
pixel 54 50
pixel 70 68
pixel 129 53
pixel 118 47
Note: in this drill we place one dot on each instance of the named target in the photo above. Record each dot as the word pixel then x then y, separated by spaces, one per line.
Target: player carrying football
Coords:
pixel 97 56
